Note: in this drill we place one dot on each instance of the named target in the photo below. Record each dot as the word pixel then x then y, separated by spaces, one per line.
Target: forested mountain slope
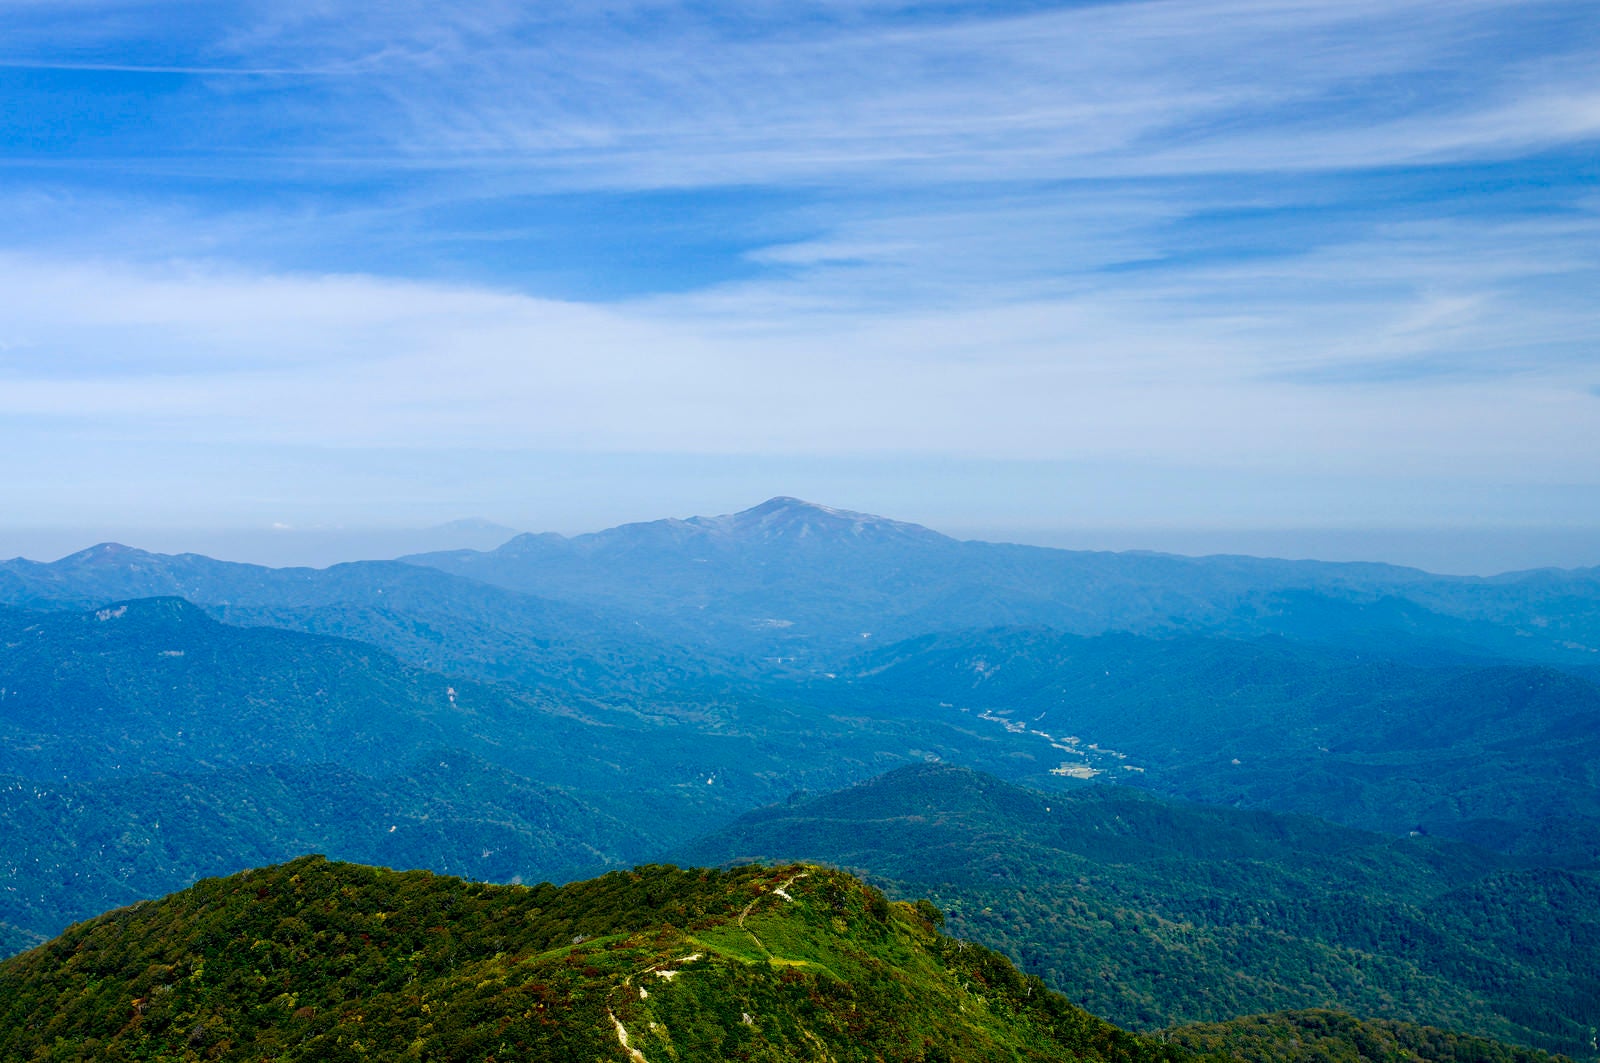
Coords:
pixel 426 617
pixel 1503 755
pixel 332 962
pixel 338 962
pixel 77 849
pixel 1150 912
pixel 143 745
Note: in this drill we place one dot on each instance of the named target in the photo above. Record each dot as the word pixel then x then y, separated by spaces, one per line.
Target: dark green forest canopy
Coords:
pixel 1505 756
pixel 314 960
pixel 1333 1037
pixel 319 961
pixel 15 939
pixel 1151 912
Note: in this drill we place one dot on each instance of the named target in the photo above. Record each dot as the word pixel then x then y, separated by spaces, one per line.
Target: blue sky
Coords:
pixel 1140 274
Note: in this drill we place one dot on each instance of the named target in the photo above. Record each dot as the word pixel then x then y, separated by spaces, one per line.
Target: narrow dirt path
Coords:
pixel 622 1035
pixel 780 891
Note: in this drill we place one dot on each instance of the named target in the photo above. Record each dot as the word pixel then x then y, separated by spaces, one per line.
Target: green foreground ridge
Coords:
pixel 314 960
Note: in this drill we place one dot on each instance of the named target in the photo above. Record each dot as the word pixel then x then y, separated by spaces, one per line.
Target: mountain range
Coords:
pixel 791 580
pixel 559 706
pixel 788 578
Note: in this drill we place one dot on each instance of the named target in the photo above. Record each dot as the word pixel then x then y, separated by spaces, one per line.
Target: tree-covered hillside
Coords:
pixel 1151 913
pixel 1506 756
pixel 1333 1037
pixel 320 961
pixel 14 939
pixel 158 685
pixel 423 616
pixel 77 849
pixel 333 962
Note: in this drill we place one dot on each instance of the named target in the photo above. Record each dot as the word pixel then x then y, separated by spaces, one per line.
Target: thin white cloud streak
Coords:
pixel 669 95
pixel 355 362
pixel 1385 301
pixel 1115 90
pixel 197 71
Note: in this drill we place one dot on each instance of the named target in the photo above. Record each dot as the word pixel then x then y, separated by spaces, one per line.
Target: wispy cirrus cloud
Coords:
pixel 1107 90
pixel 670 95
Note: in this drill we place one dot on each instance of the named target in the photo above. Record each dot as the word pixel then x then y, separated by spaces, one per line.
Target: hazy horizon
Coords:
pixel 1446 551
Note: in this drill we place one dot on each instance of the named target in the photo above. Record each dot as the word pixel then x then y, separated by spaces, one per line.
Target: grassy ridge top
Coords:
pixel 314 960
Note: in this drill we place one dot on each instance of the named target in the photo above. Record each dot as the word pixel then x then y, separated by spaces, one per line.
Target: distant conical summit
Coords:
pixel 793 520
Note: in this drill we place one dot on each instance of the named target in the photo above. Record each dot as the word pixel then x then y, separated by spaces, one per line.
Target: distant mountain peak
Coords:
pixel 788 505
pixel 106 554
pixel 475 524
pixel 790 519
